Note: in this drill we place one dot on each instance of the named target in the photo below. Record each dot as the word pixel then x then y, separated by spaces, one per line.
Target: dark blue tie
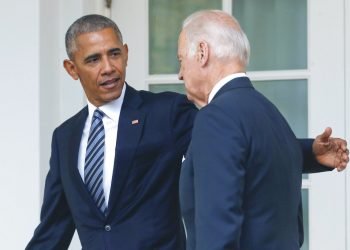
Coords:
pixel 94 159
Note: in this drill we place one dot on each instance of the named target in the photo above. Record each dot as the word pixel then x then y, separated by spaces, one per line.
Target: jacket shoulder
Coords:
pixel 168 96
pixel 73 120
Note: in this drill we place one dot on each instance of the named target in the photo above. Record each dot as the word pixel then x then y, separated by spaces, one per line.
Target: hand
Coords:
pixel 331 152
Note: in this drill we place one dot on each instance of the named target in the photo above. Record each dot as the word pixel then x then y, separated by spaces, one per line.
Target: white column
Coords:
pixel 347 112
pixel 132 19
pixel 19 126
pixel 327 108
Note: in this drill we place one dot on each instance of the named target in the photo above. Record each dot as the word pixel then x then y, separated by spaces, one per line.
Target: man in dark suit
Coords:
pixel 146 136
pixel 240 182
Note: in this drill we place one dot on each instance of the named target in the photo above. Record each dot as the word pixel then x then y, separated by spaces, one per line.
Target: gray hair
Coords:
pixel 221 31
pixel 86 24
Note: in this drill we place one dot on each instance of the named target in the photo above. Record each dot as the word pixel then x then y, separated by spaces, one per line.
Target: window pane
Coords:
pixel 165 20
pixel 290 97
pixel 176 87
pixel 277 31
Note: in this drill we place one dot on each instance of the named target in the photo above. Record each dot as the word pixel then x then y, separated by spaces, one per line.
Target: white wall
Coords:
pixel 60 96
pixel 347 110
pixel 327 193
pixel 19 126
pixel 133 34
pixel 36 95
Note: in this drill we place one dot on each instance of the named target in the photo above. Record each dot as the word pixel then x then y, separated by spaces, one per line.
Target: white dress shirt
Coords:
pixel 222 82
pixel 110 123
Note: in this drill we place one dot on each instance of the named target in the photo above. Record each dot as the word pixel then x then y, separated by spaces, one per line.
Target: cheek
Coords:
pixel 186 72
pixel 121 65
pixel 90 80
pixel 190 86
pixel 195 85
pixel 190 75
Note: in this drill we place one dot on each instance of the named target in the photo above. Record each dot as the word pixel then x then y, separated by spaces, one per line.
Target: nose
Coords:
pixel 179 75
pixel 107 67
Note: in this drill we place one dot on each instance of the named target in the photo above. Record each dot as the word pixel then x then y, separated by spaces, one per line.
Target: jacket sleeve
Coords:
pixel 182 118
pixel 56 227
pixel 310 164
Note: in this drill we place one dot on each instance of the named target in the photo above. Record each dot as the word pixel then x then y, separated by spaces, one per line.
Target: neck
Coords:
pixel 220 70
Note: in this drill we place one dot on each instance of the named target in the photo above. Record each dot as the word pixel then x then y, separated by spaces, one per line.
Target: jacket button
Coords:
pixel 108 228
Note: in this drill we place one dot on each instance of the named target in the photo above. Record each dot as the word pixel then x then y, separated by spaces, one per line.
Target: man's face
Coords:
pixel 189 72
pixel 99 62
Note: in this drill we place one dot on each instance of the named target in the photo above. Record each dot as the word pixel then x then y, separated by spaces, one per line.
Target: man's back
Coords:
pixel 246 165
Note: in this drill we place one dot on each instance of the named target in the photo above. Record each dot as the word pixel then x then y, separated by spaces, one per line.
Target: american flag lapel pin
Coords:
pixel 134 122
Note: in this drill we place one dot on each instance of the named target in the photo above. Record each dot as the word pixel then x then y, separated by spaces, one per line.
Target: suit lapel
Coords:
pixel 74 144
pixel 131 122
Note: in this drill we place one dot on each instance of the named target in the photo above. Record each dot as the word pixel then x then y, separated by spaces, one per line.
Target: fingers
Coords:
pixel 344 146
pixel 342 159
pixel 339 144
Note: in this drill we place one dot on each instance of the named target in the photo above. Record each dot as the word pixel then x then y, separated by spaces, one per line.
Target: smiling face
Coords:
pixel 99 62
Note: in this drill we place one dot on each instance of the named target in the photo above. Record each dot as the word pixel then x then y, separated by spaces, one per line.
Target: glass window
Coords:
pixel 277 31
pixel 156 88
pixel 290 97
pixel 165 20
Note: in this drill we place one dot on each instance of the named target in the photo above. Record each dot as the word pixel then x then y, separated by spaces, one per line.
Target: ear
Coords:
pixel 203 53
pixel 71 69
pixel 126 48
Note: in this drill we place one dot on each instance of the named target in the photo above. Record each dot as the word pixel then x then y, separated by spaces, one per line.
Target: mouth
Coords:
pixel 110 83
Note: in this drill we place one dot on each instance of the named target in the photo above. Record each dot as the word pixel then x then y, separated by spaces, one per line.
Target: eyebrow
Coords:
pixel 114 50
pixel 96 55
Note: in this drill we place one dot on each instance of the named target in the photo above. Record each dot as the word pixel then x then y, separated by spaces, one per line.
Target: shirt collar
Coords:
pixel 222 82
pixel 110 109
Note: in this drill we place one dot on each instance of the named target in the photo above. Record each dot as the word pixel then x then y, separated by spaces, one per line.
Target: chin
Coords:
pixel 112 96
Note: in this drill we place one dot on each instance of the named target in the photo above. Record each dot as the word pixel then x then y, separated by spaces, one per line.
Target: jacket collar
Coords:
pixel 240 82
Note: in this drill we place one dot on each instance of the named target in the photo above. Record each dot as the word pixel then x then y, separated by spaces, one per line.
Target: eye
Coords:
pixel 92 60
pixel 115 53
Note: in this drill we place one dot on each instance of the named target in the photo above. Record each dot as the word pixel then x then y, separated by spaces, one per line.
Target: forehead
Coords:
pixel 182 43
pixel 96 39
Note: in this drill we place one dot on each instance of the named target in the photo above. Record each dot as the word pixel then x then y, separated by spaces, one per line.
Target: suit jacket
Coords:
pixel 240 183
pixel 143 209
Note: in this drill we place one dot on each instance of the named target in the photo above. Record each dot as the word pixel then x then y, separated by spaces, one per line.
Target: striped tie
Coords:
pixel 93 171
